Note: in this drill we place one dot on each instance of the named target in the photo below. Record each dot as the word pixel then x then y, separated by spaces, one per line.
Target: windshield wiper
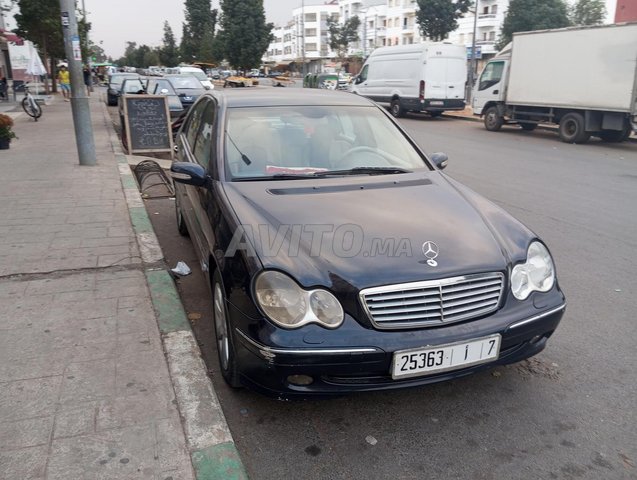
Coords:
pixel 363 171
pixel 276 176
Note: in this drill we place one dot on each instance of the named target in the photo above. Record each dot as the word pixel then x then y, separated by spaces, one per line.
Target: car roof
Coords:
pixel 288 96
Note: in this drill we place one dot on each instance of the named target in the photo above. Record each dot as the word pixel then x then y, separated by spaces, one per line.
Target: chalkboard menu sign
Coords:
pixel 147 124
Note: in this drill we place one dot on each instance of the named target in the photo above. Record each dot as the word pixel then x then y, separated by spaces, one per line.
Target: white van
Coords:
pixel 198 73
pixel 425 77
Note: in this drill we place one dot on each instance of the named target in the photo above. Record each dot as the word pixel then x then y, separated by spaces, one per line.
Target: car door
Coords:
pixel 197 144
pixel 490 86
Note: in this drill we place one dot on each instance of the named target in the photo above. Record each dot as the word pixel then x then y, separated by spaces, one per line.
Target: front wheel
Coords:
pixel 31 108
pixel 225 348
pixel 493 121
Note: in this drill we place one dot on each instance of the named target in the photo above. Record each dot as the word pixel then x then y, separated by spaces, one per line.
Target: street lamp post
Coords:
pixel 472 72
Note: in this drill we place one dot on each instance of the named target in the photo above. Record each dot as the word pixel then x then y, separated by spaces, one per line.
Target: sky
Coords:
pixel 114 22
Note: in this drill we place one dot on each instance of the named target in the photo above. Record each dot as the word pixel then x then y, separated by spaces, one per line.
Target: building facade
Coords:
pixel 383 23
pixel 626 11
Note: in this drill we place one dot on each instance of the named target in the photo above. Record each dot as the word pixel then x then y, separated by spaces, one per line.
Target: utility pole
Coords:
pixel 79 100
pixel 472 72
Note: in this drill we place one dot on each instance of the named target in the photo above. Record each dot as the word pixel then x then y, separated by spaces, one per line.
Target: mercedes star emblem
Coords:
pixel 430 250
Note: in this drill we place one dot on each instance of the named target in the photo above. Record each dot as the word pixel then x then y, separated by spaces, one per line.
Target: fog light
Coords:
pixel 301 380
pixel 535 339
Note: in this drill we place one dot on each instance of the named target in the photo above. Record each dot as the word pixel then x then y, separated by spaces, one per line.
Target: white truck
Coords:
pixel 424 77
pixel 584 79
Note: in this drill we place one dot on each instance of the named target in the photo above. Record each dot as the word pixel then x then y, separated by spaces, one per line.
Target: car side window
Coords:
pixel 195 123
pixel 491 75
pixel 203 142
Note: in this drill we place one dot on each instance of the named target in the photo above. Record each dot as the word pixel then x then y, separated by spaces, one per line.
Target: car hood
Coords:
pixel 373 229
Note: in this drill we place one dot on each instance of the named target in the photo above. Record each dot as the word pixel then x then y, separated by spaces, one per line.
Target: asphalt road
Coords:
pixel 568 413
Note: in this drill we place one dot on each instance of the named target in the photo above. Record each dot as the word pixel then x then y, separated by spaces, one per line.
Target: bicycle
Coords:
pixel 30 106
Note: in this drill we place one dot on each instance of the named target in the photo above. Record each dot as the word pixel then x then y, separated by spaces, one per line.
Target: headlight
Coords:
pixel 536 274
pixel 288 305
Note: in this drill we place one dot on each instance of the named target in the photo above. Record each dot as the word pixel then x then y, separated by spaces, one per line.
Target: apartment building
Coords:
pixel 383 23
pixel 304 38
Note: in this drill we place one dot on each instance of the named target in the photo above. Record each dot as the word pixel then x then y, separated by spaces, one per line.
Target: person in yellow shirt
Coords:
pixel 65 82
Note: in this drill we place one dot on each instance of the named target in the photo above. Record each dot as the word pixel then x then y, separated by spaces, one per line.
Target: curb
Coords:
pixel 548 128
pixel 210 444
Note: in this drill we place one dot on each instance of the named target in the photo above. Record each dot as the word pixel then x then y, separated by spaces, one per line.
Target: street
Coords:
pixel 567 413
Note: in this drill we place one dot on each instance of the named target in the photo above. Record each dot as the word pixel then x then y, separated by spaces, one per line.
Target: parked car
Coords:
pixel 162 86
pixel 341 258
pixel 196 72
pixel 115 86
pixel 130 86
pixel 187 87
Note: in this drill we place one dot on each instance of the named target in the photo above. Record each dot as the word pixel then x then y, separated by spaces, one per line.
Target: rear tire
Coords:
pixel 397 109
pixel 493 121
pixel 572 129
pixel 615 136
pixel 225 347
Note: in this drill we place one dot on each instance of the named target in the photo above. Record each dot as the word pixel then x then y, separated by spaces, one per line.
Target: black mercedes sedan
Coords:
pixel 341 258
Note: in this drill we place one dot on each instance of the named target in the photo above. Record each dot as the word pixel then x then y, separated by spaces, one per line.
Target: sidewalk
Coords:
pixel 86 391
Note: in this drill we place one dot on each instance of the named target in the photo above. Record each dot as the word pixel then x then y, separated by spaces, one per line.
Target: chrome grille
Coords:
pixel 433 302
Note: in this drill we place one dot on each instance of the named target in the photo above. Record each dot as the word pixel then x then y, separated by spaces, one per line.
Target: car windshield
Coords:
pixel 132 86
pixel 186 82
pixel 199 76
pixel 282 142
pixel 119 79
pixel 157 86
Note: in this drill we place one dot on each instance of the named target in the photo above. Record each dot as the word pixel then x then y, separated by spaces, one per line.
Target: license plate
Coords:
pixel 425 361
pixel 437 103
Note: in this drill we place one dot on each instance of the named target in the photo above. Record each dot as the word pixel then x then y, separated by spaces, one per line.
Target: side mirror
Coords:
pixel 440 160
pixel 188 173
pixel 357 80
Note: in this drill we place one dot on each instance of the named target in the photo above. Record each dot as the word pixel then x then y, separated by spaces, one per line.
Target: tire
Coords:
pixel 572 129
pixel 493 121
pixel 528 127
pixel 616 136
pixel 396 109
pixel 435 114
pixel 223 337
pixel 33 111
pixel 182 228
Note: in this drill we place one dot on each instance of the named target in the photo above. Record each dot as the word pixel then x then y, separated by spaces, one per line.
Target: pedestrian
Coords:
pixel 65 83
pixel 3 87
pixel 87 79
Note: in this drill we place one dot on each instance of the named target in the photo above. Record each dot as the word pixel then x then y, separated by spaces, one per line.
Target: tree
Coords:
pixel 199 23
pixel 168 54
pixel 39 21
pixel 437 18
pixel 529 15
pixel 342 35
pixel 130 57
pixel 244 35
pixel 97 53
pixel 588 12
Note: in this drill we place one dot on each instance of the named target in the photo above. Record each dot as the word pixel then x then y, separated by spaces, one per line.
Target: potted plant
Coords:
pixel 6 133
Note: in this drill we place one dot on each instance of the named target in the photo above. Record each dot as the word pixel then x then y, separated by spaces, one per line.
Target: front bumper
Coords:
pixel 340 368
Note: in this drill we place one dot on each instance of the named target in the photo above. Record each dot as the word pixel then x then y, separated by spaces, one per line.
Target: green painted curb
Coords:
pixel 121 158
pixel 140 219
pixel 170 312
pixel 129 182
pixel 220 462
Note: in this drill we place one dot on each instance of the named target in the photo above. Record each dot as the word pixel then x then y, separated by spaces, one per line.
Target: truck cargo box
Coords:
pixel 585 68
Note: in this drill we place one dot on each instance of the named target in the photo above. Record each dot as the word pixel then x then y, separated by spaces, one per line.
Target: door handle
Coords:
pixel 495 92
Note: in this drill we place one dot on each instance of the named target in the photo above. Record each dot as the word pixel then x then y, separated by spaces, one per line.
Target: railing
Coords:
pixel 482 16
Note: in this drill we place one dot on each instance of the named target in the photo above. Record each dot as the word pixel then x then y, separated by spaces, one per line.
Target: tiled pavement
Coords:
pixel 85 391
